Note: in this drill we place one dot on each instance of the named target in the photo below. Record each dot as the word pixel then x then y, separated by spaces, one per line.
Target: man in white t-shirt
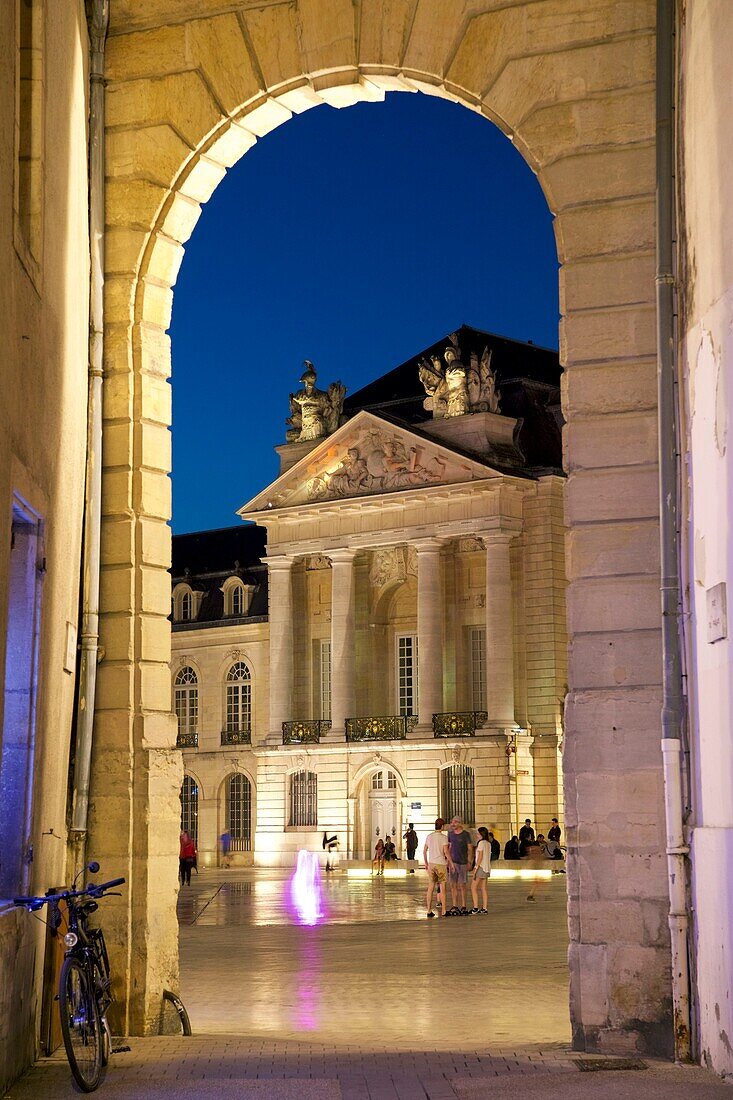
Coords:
pixel 435 866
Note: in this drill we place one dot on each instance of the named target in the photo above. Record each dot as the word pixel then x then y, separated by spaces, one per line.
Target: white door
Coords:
pixel 384 810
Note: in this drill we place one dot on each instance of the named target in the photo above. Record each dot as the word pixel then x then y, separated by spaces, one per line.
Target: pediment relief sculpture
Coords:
pixel 314 413
pixel 377 463
pixel 455 389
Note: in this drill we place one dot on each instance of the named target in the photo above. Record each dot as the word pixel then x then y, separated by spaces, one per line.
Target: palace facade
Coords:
pixel 384 640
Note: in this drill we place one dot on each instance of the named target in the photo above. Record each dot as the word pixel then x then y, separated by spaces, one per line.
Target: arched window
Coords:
pixel 237 599
pixel 382 780
pixel 238 811
pixel 238 699
pixel 304 800
pixel 186 703
pixel 190 807
pixel 186 607
pixel 458 794
pixel 184 604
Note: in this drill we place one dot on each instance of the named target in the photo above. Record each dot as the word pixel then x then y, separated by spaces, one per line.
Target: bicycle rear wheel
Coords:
pixel 81 1026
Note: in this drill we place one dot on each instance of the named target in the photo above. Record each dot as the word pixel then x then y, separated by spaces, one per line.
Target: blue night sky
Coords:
pixel 354 238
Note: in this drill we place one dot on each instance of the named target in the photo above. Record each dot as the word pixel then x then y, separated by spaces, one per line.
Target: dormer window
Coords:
pixel 185 603
pixel 237 597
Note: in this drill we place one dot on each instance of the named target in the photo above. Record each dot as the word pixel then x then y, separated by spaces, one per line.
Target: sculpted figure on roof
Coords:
pixel 455 389
pixel 314 413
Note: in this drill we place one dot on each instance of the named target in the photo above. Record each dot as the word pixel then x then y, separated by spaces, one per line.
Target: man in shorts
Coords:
pixel 459 854
pixel 435 865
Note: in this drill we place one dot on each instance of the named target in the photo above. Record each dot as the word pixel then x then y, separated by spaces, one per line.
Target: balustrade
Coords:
pixel 389 727
pixel 236 737
pixel 458 724
pixel 188 740
pixel 306 732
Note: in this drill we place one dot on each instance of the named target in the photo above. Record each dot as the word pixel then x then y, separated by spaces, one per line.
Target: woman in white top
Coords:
pixel 481 871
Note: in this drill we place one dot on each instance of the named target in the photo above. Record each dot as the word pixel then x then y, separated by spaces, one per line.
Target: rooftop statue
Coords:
pixel 455 389
pixel 314 413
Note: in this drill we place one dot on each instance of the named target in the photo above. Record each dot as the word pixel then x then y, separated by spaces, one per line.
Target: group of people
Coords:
pixel 448 860
pixel 384 852
pixel 527 846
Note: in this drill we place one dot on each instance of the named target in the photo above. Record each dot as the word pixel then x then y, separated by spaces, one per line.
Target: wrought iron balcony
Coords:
pixel 458 724
pixel 306 732
pixel 236 737
pixel 188 740
pixel 390 727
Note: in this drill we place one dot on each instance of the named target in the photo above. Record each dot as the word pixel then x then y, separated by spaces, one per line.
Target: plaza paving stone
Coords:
pixel 375 1003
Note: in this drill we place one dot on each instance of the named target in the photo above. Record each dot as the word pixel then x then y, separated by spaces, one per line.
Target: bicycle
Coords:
pixel 85 985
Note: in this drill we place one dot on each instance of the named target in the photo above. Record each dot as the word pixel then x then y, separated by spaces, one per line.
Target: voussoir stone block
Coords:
pixel 145 53
pixel 218 47
pixel 273 32
pixel 327 34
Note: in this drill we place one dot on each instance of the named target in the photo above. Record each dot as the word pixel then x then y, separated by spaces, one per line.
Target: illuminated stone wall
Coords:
pixel 571 82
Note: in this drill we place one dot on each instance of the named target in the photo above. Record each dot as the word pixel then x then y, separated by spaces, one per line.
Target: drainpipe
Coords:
pixel 98 17
pixel 672 695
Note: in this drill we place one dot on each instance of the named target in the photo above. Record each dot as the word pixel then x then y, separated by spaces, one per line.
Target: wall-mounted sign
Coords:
pixel 416 805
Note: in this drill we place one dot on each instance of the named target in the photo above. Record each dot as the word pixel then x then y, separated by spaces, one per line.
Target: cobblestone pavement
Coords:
pixel 233 1068
pixel 375 1003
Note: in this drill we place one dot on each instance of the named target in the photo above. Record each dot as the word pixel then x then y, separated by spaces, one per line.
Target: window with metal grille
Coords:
pixel 325 679
pixel 238 811
pixel 190 807
pixel 186 700
pixel 458 793
pixel 304 799
pixel 407 674
pixel 238 699
pixel 478 668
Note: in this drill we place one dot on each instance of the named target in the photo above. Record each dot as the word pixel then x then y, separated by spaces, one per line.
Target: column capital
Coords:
pixel 279 562
pixel 341 554
pixel 497 538
pixel 428 545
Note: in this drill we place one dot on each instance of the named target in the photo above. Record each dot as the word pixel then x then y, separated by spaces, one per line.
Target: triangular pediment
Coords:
pixel 364 457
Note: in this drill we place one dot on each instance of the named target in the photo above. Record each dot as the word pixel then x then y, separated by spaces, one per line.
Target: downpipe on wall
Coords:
pixel 673 700
pixel 98 19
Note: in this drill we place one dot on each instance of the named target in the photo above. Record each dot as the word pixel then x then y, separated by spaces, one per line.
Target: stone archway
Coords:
pixel 571 82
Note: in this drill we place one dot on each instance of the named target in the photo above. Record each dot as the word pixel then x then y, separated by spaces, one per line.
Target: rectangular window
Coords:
pixel 29 129
pixel 303 800
pixel 187 709
pixel 19 714
pixel 478 668
pixel 239 708
pixel 324 680
pixel 406 674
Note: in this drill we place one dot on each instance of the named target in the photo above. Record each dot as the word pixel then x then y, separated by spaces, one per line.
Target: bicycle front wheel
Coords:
pixel 81 1026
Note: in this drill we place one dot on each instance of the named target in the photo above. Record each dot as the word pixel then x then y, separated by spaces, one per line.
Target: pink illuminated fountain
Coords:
pixel 305 889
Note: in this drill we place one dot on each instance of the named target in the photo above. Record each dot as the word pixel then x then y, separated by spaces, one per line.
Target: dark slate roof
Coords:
pixel 528 381
pixel 222 551
pixel 204 559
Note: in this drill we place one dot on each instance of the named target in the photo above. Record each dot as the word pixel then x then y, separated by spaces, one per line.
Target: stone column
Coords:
pixel 429 635
pixel 499 632
pixel 343 680
pixel 280 612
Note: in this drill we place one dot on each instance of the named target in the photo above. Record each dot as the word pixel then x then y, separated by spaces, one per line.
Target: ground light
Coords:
pixel 498 873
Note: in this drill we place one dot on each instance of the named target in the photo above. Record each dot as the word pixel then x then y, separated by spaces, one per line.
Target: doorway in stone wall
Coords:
pixel 576 97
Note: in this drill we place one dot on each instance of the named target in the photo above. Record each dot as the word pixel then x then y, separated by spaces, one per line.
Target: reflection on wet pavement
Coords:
pixel 375 973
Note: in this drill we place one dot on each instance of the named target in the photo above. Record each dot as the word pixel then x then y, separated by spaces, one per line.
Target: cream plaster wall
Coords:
pixel 43 305
pixel 707 365
pixel 571 81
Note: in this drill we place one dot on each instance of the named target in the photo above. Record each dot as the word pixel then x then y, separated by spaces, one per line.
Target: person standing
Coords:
pixel 226 846
pixel 186 858
pixel 526 836
pixel 554 832
pixel 481 872
pixel 458 853
pixel 378 857
pixel 410 839
pixel 435 865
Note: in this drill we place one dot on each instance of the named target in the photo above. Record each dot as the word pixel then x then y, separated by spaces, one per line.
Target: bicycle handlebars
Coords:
pixel 92 889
